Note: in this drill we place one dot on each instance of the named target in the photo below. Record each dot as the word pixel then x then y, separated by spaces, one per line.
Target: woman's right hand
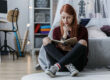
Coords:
pixel 65 29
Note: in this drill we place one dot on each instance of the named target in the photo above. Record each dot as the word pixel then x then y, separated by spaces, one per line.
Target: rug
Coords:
pixel 88 74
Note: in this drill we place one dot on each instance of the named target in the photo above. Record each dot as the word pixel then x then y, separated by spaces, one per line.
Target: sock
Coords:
pixel 58 66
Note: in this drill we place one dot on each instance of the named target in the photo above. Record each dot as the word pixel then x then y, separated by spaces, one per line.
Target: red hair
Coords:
pixel 71 11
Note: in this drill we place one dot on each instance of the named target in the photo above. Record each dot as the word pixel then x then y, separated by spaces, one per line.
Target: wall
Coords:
pixel 22 21
pixel 54 8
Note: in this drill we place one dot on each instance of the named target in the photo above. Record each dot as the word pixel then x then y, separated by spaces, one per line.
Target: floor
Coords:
pixel 14 70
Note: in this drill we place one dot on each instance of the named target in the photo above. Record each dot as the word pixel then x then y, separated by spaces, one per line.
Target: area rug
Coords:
pixel 88 74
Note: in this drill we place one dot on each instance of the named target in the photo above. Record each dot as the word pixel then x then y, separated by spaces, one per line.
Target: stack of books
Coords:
pixel 44 29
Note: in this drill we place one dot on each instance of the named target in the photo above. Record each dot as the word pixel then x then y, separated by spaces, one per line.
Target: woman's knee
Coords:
pixel 46 41
pixel 83 42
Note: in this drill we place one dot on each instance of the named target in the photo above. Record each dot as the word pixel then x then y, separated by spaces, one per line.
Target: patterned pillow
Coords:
pixel 106 29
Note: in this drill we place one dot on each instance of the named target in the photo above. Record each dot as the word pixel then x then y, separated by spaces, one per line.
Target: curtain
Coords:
pixel 107 2
pixel 98 11
pixel 96 8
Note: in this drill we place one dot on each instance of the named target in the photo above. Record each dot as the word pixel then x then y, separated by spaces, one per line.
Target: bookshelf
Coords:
pixel 40 15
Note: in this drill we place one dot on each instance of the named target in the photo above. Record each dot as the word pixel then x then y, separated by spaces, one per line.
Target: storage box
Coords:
pixel 47 17
pixel 41 3
pixel 38 42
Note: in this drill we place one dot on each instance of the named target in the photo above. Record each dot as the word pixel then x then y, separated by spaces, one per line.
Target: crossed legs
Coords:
pixel 71 56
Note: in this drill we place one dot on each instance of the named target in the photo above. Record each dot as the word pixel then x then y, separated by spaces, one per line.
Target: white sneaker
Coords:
pixel 72 69
pixel 52 71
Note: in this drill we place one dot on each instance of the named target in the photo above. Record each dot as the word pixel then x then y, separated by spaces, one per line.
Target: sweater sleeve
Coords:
pixel 57 33
pixel 83 34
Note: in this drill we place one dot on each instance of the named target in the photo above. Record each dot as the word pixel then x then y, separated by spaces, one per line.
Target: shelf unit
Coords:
pixel 39 14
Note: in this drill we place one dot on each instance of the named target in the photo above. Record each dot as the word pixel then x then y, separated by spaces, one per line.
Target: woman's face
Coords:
pixel 66 18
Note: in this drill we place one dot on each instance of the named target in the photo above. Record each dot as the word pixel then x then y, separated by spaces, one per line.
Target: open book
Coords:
pixel 70 41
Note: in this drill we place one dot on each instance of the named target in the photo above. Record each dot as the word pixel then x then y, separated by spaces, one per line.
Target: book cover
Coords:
pixel 45 29
pixel 44 32
pixel 45 26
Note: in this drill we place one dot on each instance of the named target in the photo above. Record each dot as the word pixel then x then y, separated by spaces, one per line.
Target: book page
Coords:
pixel 58 41
pixel 70 41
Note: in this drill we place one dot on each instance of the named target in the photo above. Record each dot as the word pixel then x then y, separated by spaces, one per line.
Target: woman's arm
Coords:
pixel 57 33
pixel 65 29
pixel 83 34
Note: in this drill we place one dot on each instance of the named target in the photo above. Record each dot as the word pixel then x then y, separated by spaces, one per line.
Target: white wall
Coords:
pixel 22 21
pixel 55 2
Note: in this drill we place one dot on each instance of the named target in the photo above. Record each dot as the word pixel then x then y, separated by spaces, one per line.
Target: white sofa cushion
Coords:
pixel 95 32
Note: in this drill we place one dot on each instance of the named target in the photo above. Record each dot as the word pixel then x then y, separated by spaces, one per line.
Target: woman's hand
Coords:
pixel 66 29
pixel 64 47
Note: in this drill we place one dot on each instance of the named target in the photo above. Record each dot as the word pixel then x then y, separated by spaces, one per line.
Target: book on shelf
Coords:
pixel 70 41
pixel 44 32
pixel 37 28
pixel 48 29
pixel 45 26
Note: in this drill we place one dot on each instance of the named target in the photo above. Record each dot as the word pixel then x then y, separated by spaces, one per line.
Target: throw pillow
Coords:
pixel 106 29
pixel 84 22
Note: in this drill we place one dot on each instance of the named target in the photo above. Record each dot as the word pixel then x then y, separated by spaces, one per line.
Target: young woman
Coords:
pixel 74 57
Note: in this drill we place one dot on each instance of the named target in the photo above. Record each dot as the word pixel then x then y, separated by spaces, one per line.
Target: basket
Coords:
pixel 41 3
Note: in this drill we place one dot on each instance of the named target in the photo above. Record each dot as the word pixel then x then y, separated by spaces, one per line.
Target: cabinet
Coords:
pixel 40 21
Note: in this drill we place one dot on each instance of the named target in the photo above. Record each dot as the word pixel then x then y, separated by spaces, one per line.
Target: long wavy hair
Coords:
pixel 71 11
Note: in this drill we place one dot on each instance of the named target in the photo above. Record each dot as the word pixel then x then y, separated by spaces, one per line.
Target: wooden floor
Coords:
pixel 14 70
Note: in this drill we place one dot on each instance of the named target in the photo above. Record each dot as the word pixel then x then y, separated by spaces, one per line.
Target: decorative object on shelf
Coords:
pixel 41 3
pixel 39 17
pixel 82 9
pixel 47 17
